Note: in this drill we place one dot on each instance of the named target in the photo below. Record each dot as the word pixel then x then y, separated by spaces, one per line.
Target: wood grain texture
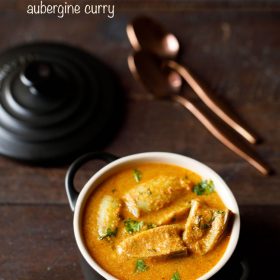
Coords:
pixel 231 46
pixel 37 243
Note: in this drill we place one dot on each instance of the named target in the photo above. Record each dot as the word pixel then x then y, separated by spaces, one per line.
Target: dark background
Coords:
pixel 232 46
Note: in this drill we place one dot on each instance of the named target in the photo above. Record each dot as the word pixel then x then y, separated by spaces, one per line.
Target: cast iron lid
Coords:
pixel 55 100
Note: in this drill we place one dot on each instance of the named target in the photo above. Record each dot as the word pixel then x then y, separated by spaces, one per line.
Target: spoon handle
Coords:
pixel 204 96
pixel 249 155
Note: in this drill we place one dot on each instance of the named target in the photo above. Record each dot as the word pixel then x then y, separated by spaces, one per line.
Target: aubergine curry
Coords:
pixel 156 221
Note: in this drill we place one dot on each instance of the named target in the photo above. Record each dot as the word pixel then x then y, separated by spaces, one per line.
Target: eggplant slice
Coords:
pixel 204 227
pixel 179 209
pixel 155 194
pixel 108 216
pixel 156 242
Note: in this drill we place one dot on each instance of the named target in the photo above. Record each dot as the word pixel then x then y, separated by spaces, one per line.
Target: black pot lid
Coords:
pixel 55 101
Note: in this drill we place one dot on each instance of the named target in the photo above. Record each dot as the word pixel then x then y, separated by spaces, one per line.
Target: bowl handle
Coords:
pixel 71 191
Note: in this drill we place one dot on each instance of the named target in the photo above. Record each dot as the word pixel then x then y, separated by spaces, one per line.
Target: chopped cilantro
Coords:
pixel 204 187
pixel 137 174
pixel 149 226
pixel 109 233
pixel 140 266
pixel 133 226
pixel 176 276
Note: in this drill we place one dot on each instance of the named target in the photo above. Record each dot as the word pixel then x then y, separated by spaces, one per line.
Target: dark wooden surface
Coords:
pixel 233 46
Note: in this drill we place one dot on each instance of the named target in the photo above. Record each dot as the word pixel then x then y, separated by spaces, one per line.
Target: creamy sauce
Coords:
pixel 104 251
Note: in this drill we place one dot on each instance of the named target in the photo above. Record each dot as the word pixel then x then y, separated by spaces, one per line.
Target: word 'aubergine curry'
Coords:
pixel 156 221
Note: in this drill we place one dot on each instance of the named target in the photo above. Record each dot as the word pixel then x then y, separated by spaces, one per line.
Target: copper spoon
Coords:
pixel 145 33
pixel 147 68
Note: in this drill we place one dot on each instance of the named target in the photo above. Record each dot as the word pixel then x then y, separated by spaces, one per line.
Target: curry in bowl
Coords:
pixel 156 221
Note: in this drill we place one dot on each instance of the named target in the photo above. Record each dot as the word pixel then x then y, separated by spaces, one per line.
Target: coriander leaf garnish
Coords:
pixel 109 233
pixel 204 187
pixel 149 226
pixel 132 226
pixel 140 266
pixel 176 276
pixel 137 174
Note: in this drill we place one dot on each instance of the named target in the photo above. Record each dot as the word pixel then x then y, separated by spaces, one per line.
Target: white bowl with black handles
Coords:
pixel 78 200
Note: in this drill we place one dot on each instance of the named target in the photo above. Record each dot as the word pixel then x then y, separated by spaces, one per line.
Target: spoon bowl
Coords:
pixel 161 81
pixel 145 33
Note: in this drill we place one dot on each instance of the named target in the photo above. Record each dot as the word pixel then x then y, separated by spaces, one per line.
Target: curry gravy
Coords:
pixel 104 251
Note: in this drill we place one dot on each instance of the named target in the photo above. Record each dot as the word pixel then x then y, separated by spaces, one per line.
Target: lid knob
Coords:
pixel 39 77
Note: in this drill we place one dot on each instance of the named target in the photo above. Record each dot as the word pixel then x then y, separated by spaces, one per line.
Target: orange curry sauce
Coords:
pixel 122 267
